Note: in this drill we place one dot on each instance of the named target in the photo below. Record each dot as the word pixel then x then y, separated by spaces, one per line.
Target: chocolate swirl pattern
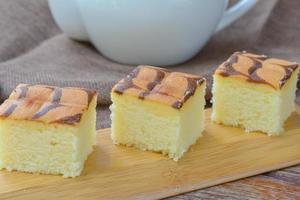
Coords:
pixel 158 84
pixel 47 103
pixel 289 69
pixel 258 69
pixel 127 82
pixel 70 119
pixel 24 90
pixel 150 86
pixel 57 93
pixel 10 109
pixel 227 69
pixel 44 110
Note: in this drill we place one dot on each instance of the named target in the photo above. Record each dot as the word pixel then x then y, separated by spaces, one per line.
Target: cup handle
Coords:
pixel 235 12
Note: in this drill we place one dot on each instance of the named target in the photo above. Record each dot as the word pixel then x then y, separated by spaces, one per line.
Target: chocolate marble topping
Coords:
pixel 127 82
pixel 45 109
pixel 289 69
pixel 57 93
pixel 158 84
pixel 47 103
pixel 69 119
pixel 235 66
pixel 10 110
pixel 24 90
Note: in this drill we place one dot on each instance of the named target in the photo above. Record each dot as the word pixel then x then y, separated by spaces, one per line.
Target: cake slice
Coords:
pixel 47 129
pixel 254 92
pixel 158 110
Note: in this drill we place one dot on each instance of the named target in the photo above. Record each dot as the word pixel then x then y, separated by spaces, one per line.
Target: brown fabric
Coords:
pixel 33 49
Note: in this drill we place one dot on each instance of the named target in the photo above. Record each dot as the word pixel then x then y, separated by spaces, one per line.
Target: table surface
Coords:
pixel 281 184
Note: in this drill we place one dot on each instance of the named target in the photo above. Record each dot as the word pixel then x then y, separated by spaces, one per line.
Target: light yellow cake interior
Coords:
pixel 155 126
pixel 253 106
pixel 50 148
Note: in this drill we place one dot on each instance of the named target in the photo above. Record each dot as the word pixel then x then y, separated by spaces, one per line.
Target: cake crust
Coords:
pixel 159 85
pixel 258 69
pixel 48 104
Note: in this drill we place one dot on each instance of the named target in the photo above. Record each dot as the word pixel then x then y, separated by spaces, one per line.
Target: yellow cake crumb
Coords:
pixel 158 110
pixel 254 92
pixel 46 129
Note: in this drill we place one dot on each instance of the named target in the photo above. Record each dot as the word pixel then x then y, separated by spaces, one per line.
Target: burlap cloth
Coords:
pixel 33 49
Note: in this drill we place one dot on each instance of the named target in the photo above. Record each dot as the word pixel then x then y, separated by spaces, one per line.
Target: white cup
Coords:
pixel 152 32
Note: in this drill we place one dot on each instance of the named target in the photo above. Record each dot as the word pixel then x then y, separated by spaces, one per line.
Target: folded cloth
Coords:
pixel 34 50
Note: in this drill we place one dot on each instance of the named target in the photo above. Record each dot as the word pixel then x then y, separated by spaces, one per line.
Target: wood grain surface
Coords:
pixel 280 184
pixel 223 154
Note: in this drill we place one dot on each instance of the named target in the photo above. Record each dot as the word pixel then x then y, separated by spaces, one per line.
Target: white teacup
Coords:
pixel 153 32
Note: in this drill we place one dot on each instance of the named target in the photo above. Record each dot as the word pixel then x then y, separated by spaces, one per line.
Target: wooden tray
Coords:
pixel 115 172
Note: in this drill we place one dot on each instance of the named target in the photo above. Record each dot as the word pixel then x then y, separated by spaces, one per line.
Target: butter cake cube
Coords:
pixel 158 110
pixel 254 92
pixel 47 129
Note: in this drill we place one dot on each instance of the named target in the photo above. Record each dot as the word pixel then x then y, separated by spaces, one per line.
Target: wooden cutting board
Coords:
pixel 115 172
